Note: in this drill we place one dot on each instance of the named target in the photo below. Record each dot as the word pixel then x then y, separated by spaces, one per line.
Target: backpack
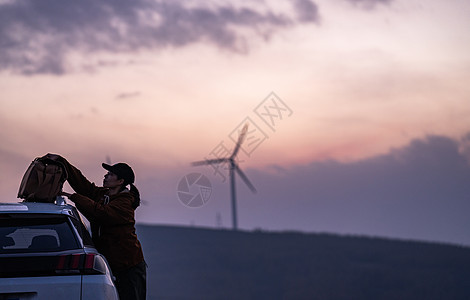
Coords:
pixel 42 181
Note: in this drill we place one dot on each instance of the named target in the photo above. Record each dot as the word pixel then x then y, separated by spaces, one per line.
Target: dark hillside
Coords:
pixel 190 263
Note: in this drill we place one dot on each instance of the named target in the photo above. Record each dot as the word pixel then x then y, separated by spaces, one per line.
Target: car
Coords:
pixel 46 252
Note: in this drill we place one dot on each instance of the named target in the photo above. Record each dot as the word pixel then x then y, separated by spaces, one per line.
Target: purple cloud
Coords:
pixel 369 4
pixel 307 11
pixel 128 96
pixel 37 36
pixel 420 191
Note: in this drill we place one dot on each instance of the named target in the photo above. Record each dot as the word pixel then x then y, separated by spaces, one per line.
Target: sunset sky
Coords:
pixel 373 137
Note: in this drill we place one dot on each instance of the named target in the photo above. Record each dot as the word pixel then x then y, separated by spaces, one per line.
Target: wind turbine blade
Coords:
pixel 241 138
pixel 209 162
pixel 245 179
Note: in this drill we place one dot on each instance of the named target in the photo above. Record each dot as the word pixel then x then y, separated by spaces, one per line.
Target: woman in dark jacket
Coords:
pixel 110 210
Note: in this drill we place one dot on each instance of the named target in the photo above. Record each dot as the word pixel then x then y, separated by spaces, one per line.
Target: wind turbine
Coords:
pixel 233 167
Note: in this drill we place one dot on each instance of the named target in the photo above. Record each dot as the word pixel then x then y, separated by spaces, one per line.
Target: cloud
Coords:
pixel 307 10
pixel 37 36
pixel 420 191
pixel 369 4
pixel 464 146
pixel 127 96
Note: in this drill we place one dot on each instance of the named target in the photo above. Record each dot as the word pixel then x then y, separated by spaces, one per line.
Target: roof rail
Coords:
pixel 59 200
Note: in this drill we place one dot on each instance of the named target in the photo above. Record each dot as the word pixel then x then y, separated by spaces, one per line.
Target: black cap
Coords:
pixel 122 170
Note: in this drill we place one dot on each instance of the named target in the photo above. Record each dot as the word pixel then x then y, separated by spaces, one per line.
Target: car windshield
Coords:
pixel 42 233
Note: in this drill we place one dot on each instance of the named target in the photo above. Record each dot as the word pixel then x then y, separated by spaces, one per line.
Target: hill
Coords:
pixel 192 263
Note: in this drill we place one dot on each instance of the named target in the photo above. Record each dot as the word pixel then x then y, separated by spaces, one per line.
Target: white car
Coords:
pixel 47 253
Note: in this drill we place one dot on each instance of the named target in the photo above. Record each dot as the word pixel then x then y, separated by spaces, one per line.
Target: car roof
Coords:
pixel 38 208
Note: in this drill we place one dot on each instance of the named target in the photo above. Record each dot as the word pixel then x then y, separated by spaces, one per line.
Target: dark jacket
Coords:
pixel 111 219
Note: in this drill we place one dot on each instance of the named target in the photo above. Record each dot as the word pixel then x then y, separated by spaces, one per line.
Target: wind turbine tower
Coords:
pixel 233 169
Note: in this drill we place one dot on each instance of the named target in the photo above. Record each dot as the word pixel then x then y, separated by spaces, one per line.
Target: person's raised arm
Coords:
pixel 118 211
pixel 79 183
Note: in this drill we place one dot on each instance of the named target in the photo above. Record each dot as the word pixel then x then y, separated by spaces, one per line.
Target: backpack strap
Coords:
pixel 41 177
pixel 56 183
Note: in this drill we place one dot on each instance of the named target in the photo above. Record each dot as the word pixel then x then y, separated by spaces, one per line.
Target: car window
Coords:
pixel 26 233
pixel 83 232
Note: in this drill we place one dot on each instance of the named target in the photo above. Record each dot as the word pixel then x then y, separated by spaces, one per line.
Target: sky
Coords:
pixel 358 110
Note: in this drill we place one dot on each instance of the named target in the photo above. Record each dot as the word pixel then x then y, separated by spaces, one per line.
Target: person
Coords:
pixel 110 210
